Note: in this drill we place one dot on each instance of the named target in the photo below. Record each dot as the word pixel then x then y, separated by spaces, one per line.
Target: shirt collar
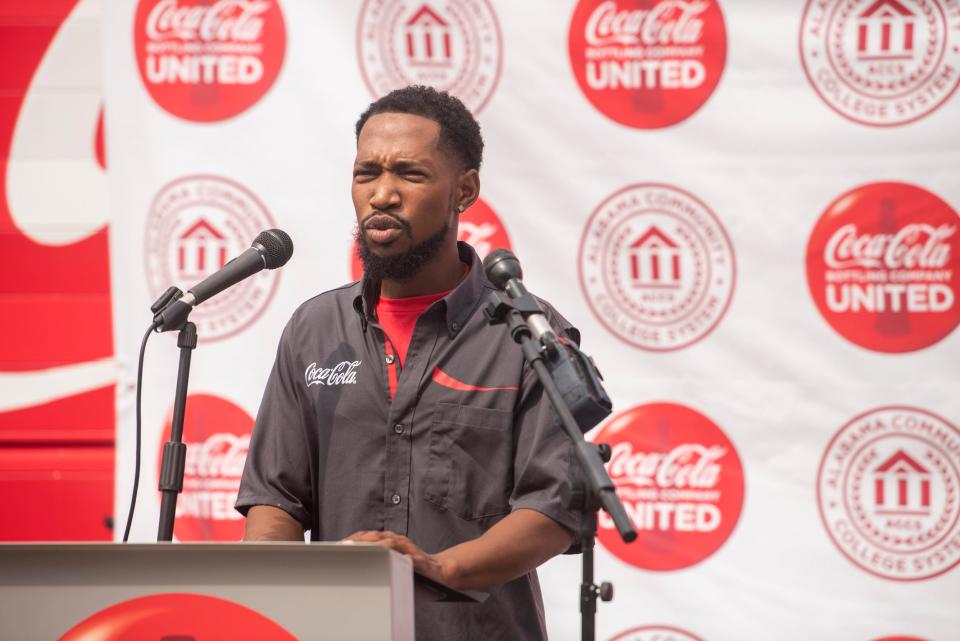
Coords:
pixel 458 305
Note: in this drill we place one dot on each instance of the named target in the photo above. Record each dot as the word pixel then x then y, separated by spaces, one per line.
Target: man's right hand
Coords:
pixel 268 523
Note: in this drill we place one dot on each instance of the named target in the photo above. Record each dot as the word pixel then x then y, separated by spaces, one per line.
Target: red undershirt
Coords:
pixel 398 317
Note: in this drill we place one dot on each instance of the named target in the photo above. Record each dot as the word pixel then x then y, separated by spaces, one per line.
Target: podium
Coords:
pixel 207 592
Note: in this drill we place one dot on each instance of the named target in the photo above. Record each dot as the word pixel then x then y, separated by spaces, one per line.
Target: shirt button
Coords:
pixel 455 326
pixel 389 359
pixel 398 428
pixel 395 499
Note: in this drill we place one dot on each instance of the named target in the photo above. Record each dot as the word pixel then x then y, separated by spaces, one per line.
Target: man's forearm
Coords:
pixel 268 523
pixel 516 545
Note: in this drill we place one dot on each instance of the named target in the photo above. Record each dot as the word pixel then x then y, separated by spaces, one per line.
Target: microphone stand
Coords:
pixel 594 489
pixel 174 451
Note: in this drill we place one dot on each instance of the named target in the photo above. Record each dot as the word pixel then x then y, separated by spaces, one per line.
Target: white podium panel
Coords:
pixel 321 592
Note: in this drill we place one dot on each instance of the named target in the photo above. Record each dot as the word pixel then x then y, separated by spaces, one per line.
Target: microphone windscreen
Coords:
pixel 500 266
pixel 277 247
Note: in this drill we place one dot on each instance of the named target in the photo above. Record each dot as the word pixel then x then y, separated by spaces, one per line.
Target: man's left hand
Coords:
pixel 429 565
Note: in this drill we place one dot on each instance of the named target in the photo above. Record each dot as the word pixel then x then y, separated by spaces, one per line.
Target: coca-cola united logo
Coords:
pixel 343 373
pixel 453 45
pixel 177 617
pixel 881 62
pixel 883 266
pixel 217 435
pixel 208 60
pixel 479 226
pixel 888 489
pixel 655 633
pixel 647 67
pixel 681 481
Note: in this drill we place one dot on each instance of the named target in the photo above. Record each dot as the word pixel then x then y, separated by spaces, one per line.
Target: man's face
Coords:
pixel 405 189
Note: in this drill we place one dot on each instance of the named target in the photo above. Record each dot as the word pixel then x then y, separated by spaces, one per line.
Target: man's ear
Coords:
pixel 468 189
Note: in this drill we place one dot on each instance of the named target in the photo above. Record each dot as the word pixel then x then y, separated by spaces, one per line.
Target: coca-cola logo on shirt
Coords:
pixel 681 481
pixel 479 226
pixel 883 266
pixel 647 67
pixel 177 617
pixel 343 373
pixel 217 435
pixel 207 61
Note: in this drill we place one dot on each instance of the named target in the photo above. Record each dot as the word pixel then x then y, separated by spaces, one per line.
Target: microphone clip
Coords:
pixel 169 312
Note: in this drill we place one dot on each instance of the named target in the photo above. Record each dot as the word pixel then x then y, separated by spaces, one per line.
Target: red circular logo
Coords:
pixel 900 639
pixel 656 267
pixel 655 633
pixel 681 481
pixel 887 489
pixel 177 617
pixel 217 435
pixel 883 266
pixel 208 60
pixel 651 67
pixel 479 226
pixel 195 225
pixel 452 45
pixel 881 62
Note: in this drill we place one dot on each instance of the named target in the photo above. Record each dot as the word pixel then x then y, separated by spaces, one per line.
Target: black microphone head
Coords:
pixel 501 266
pixel 277 247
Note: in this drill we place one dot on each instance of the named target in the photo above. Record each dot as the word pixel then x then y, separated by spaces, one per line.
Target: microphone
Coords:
pixel 271 249
pixel 575 374
pixel 503 270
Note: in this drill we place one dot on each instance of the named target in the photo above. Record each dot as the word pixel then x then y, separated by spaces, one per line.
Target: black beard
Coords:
pixel 401 267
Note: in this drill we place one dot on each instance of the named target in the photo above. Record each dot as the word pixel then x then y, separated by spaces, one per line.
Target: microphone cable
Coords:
pixel 136 467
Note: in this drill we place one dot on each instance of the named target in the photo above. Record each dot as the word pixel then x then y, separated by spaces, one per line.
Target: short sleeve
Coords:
pixel 544 461
pixel 277 469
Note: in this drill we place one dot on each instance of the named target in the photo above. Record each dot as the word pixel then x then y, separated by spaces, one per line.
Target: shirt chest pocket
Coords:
pixel 470 461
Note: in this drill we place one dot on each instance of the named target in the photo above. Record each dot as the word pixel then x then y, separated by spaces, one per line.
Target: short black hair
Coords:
pixel 459 130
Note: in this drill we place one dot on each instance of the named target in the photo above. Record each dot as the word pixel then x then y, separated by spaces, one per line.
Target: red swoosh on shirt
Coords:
pixel 442 378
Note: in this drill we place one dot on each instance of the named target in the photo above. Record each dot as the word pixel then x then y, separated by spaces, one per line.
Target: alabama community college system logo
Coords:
pixel 651 64
pixel 882 62
pixel 656 266
pixel 889 493
pixel 208 60
pixel 453 45
pixel 217 435
pixel 177 617
pixel 479 226
pixel 655 633
pixel 681 481
pixel 195 225
pixel 883 266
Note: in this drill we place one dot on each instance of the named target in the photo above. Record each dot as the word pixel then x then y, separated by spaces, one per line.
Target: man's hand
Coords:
pixel 517 544
pixel 429 565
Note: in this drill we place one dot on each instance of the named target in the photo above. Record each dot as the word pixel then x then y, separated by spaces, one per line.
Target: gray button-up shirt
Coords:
pixel 467 438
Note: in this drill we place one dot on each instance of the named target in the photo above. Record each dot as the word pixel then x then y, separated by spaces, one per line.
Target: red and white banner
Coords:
pixel 750 210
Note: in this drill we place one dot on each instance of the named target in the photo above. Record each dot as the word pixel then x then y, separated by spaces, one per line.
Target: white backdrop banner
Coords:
pixel 748 208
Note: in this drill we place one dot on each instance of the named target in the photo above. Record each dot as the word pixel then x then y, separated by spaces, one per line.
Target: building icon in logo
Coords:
pixel 885 31
pixel 428 39
pixel 655 260
pixel 902 486
pixel 201 250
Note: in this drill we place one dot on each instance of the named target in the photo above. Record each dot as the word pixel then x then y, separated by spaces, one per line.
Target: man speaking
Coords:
pixel 395 414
